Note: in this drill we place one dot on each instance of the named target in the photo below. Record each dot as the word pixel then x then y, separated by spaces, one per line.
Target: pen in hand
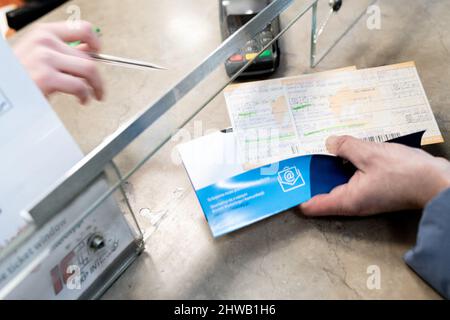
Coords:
pixel 123 61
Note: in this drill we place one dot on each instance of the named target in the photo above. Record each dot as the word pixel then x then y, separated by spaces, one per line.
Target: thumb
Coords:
pixel 356 151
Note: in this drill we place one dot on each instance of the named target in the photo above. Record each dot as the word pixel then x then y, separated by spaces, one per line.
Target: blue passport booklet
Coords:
pixel 232 197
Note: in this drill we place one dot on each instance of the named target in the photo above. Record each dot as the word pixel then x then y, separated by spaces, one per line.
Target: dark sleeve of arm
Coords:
pixel 430 258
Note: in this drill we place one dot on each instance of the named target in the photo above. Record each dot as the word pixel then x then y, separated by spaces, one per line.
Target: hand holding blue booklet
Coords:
pixel 232 198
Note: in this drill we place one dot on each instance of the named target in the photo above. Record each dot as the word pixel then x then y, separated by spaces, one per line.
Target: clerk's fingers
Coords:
pixel 81 68
pixel 83 47
pixel 67 83
pixel 82 31
pixel 51 41
pixel 352 149
pixel 333 203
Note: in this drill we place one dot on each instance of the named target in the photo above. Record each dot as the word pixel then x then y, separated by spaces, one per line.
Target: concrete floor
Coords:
pixel 286 256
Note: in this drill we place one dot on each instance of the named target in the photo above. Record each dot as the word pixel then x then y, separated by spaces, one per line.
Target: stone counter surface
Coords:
pixel 287 256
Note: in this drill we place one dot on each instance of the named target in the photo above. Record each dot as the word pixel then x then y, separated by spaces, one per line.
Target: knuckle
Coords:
pixel 85 25
pixel 343 143
pixel 79 88
pixel 365 151
pixel 44 78
pixel 44 55
pixel 90 68
pixel 86 29
pixel 45 39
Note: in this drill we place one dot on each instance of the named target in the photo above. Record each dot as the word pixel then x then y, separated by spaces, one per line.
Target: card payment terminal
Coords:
pixel 233 15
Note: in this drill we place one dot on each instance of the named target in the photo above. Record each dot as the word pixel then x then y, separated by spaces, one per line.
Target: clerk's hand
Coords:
pixel 57 67
pixel 389 177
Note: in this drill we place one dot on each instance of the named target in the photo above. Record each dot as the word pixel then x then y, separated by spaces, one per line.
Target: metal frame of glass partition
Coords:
pixel 96 162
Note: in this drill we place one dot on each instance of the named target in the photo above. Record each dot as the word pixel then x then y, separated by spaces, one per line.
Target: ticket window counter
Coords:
pixel 131 165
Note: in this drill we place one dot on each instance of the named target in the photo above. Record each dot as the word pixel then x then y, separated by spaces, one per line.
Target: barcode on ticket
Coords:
pixel 383 137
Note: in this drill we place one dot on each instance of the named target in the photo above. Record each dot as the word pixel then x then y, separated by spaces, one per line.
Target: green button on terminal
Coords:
pixel 265 53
